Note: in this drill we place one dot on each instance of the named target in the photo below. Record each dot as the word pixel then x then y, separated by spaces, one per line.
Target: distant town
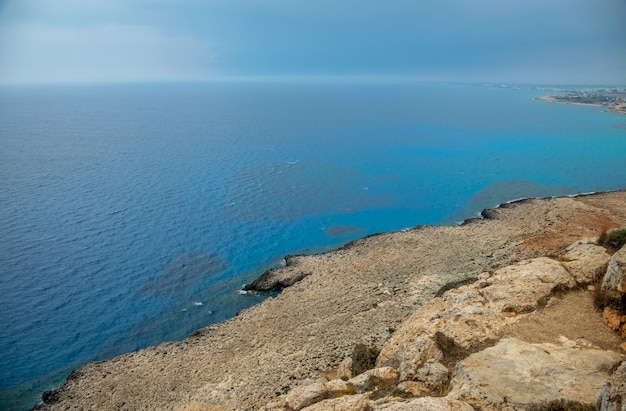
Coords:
pixel 613 99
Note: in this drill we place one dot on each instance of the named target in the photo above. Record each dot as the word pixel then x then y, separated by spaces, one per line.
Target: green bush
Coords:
pixel 613 240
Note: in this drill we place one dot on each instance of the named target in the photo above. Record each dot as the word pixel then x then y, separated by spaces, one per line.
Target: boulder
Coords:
pixel 433 375
pixel 376 377
pixel 416 355
pixel 522 287
pixel 514 373
pixel 614 281
pixel 585 261
pixel 613 396
pixel 304 396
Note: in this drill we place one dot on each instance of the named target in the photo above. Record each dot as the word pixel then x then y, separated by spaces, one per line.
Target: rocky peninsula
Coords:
pixel 496 313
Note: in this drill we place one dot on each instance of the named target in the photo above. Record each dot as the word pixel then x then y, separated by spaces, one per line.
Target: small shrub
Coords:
pixel 613 240
pixel 284 390
pixel 363 358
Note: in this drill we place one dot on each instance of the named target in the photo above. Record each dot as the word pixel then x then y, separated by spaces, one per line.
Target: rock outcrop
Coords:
pixel 613 396
pixel 472 315
pixel 278 278
pixel 614 282
pixel 514 374
pixel 463 329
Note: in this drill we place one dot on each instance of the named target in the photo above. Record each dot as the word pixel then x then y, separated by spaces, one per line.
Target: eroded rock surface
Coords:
pixel 473 315
pixel 614 281
pixel 613 396
pixel 514 373
pixel 586 261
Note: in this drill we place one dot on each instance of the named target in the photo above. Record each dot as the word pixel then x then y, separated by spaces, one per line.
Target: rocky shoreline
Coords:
pixel 371 293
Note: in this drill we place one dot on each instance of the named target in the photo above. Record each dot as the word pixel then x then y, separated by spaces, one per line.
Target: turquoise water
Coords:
pixel 132 215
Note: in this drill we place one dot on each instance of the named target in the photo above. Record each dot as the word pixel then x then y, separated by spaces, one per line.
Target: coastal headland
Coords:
pixel 289 352
pixel 614 99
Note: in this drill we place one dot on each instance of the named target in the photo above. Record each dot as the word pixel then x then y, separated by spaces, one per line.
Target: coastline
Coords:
pixel 357 293
pixel 618 108
pixel 278 278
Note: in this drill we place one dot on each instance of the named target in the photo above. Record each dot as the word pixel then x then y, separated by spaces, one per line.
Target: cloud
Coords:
pixel 101 52
pixel 64 40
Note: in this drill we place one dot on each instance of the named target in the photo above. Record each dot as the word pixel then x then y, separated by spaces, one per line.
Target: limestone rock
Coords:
pixel 361 402
pixel 415 388
pixel 472 315
pixel 344 372
pixel 518 288
pixel 416 355
pixel 358 402
pixel 278 278
pixel 434 375
pixel 613 396
pixel 514 373
pixel 614 280
pixel 584 261
pixel 304 396
pixel 424 404
pixel 376 377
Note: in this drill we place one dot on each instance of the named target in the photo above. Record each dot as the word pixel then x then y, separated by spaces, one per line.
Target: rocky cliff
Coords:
pixel 522 331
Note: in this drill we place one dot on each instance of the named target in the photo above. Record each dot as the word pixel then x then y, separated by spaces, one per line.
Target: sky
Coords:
pixel 514 41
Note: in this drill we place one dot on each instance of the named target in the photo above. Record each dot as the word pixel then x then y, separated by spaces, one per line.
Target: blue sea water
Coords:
pixel 132 214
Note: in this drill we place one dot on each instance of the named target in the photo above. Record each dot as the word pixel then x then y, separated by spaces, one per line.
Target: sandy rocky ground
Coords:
pixel 287 352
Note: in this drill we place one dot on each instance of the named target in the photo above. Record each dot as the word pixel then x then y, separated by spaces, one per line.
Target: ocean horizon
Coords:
pixel 133 214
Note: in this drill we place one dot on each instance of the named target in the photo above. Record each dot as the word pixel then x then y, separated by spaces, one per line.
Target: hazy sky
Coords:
pixel 544 41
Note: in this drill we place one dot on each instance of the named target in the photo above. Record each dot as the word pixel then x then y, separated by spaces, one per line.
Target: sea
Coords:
pixel 132 214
